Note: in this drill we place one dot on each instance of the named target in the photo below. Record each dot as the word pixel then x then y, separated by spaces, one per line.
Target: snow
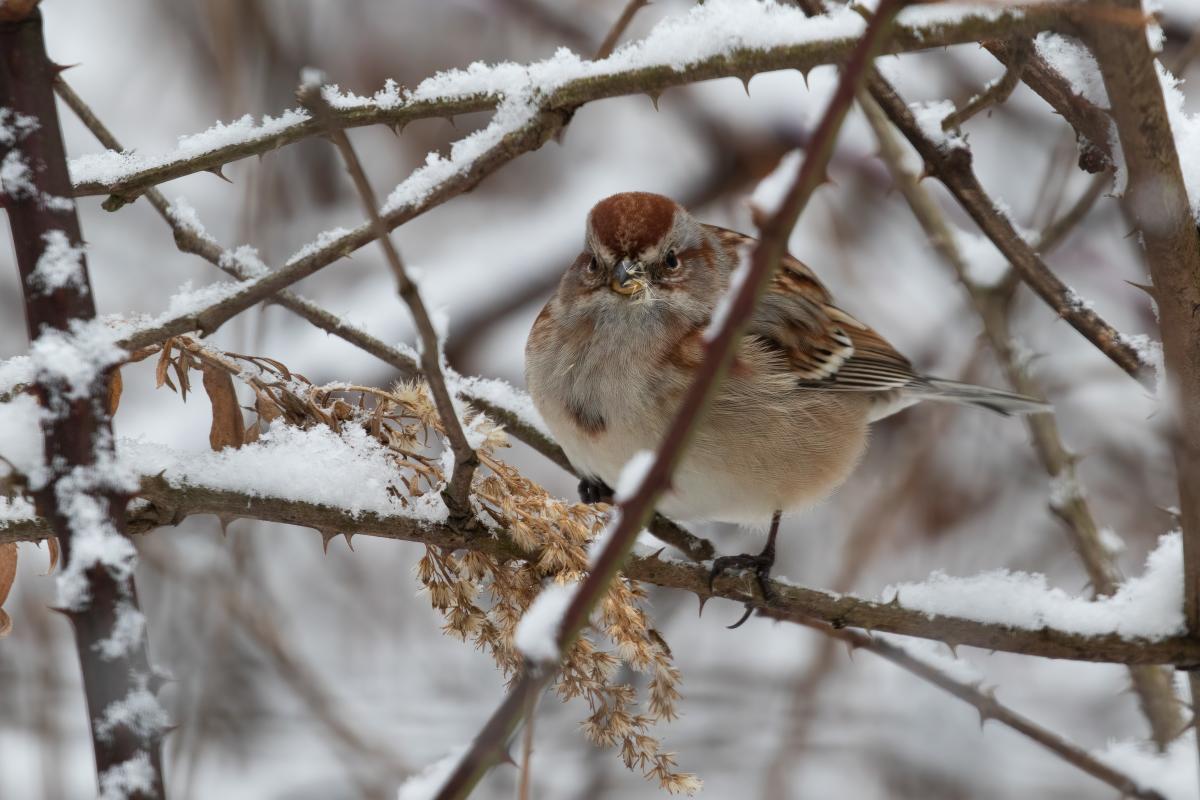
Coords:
pixel 349 471
pixel 112 167
pixel 76 357
pixel 537 634
pixel 1172 773
pixel 1064 490
pixel 126 635
pixel 633 474
pixel 1075 63
pixel 60 265
pixel 16 371
pixel 500 394
pixel 1148 607
pixel 15 509
pixel 138 712
pixel 929 117
pixel 132 777
pixel 16 178
pixel 21 441
pixel 1186 130
pixel 15 126
pixel 770 191
pixel 426 784
pixel 710 30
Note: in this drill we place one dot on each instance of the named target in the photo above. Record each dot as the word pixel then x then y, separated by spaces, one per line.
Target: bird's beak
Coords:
pixel 628 277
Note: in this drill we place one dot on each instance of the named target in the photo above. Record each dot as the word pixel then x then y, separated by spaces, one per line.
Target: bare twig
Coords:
pixel 992 24
pixel 1090 122
pixel 81 497
pixel 614 34
pixel 998 91
pixel 990 708
pixel 1152 684
pixel 458 488
pixel 1157 201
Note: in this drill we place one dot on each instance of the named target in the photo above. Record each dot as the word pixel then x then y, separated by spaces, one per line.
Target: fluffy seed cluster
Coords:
pixel 482 595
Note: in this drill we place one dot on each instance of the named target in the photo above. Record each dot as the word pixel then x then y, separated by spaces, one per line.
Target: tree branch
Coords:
pixel 990 708
pixel 83 494
pixel 743 63
pixel 1157 201
pixel 169 505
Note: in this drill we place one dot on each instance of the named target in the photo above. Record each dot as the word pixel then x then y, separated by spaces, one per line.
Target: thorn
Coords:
pixel 326 537
pixel 895 601
pixel 506 758
pixel 1145 287
pixel 66 612
pixel 559 136
pixel 953 648
pixel 745 79
pixel 1133 232
pixel 349 543
pixel 224 521
pixel 59 69
pixel 703 600
pixel 167 729
pixel 450 118
pixel 804 74
pixel 157 681
pixel 217 170
pixel 658 553
pixel 654 98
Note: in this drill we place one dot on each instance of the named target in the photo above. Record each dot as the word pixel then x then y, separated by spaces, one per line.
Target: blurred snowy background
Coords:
pixel 769 711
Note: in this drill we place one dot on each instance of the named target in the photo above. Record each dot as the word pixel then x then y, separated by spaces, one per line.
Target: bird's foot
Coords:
pixel 594 490
pixel 759 564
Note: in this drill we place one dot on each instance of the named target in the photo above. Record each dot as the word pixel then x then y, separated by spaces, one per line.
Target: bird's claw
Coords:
pixel 759 564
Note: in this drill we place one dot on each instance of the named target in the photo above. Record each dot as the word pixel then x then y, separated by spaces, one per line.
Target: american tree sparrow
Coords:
pixel 612 353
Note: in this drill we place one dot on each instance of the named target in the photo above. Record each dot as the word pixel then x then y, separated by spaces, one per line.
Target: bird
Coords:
pixel 612 352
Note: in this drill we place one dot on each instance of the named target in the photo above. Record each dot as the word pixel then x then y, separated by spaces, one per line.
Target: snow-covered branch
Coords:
pixel 725 39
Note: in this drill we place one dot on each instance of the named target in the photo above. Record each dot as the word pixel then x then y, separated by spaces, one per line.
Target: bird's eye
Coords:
pixel 593 266
pixel 671 260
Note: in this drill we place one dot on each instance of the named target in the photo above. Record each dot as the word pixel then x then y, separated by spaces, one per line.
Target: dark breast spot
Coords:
pixel 590 420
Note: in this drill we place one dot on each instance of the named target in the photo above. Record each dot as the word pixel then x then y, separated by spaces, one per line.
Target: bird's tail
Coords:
pixel 968 394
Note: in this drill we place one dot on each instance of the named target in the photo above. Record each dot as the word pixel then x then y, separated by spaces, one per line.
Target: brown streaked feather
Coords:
pixel 826 347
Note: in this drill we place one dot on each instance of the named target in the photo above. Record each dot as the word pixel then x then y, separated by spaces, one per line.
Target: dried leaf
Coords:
pixel 160 369
pixel 115 385
pixel 8 573
pixel 181 369
pixel 228 429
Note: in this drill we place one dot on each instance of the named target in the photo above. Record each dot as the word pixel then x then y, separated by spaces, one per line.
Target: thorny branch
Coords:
pixel 1029 19
pixel 81 495
pixel 168 505
pixel 458 488
pixel 989 707
pixel 1157 200
pixel 197 242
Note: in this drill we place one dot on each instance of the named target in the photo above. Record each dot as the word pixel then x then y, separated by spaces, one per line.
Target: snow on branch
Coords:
pixel 726 38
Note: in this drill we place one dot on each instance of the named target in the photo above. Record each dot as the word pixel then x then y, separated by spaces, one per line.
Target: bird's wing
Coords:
pixel 825 347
